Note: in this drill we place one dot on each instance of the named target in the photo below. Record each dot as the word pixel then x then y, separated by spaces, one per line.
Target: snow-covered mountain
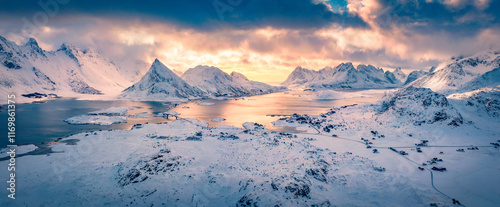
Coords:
pixel 483 102
pixel 344 76
pixel 472 85
pixel 459 71
pixel 299 77
pixel 488 79
pixel 414 76
pixel 400 75
pixel 239 75
pixel 216 82
pixel 417 106
pixel 69 71
pixel 480 98
pixel 160 83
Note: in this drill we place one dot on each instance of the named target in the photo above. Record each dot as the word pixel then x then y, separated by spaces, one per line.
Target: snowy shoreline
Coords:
pixel 322 164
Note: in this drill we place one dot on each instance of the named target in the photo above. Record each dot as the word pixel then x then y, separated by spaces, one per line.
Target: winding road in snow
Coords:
pixel 384 147
pixel 380 147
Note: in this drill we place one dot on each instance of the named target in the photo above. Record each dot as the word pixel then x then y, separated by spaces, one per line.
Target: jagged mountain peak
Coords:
pixel 344 66
pixel 343 76
pixel 157 62
pixel 30 69
pixel 216 82
pixel 239 75
pixel 160 83
pixel 399 74
pixel 34 48
pixel 10 54
pixel 160 70
pixel 3 39
pixel 299 68
pixel 391 77
pixel 66 46
pixel 367 67
pixel 32 42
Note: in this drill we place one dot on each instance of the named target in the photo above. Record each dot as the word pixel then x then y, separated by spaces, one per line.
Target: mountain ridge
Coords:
pixel 343 76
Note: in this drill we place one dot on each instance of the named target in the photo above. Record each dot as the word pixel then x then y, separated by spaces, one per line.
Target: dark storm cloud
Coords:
pixel 197 14
pixel 464 18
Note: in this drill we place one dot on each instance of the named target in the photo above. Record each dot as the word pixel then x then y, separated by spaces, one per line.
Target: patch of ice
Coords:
pixel 206 104
pixel 21 149
pixel 96 119
pixel 335 95
pixel 113 111
pixel 252 125
pixel 140 115
pixel 169 113
pixel 218 120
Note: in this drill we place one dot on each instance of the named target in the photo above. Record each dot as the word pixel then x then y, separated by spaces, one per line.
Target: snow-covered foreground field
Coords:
pixel 185 163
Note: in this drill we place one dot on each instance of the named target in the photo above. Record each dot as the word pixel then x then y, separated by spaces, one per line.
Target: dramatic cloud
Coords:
pixel 264 40
pixel 200 14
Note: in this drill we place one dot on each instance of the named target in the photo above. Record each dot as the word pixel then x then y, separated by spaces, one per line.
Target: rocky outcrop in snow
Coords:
pixel 414 76
pixel 406 108
pixel 344 76
pixel 417 106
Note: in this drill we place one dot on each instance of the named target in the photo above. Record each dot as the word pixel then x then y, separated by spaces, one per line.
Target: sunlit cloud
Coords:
pixel 403 34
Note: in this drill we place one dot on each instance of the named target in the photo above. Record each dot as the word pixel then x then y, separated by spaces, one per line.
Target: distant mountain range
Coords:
pixel 66 71
pixel 161 83
pixel 471 83
pixel 73 72
pixel 458 73
pixel 344 76
pixel 216 82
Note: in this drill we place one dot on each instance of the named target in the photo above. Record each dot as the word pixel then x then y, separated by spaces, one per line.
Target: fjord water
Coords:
pixel 37 123
pixel 257 108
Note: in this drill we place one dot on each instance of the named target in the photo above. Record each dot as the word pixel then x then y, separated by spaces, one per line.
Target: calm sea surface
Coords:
pixel 37 123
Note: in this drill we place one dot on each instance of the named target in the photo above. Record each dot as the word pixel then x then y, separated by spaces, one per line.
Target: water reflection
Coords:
pixel 38 123
pixel 255 109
